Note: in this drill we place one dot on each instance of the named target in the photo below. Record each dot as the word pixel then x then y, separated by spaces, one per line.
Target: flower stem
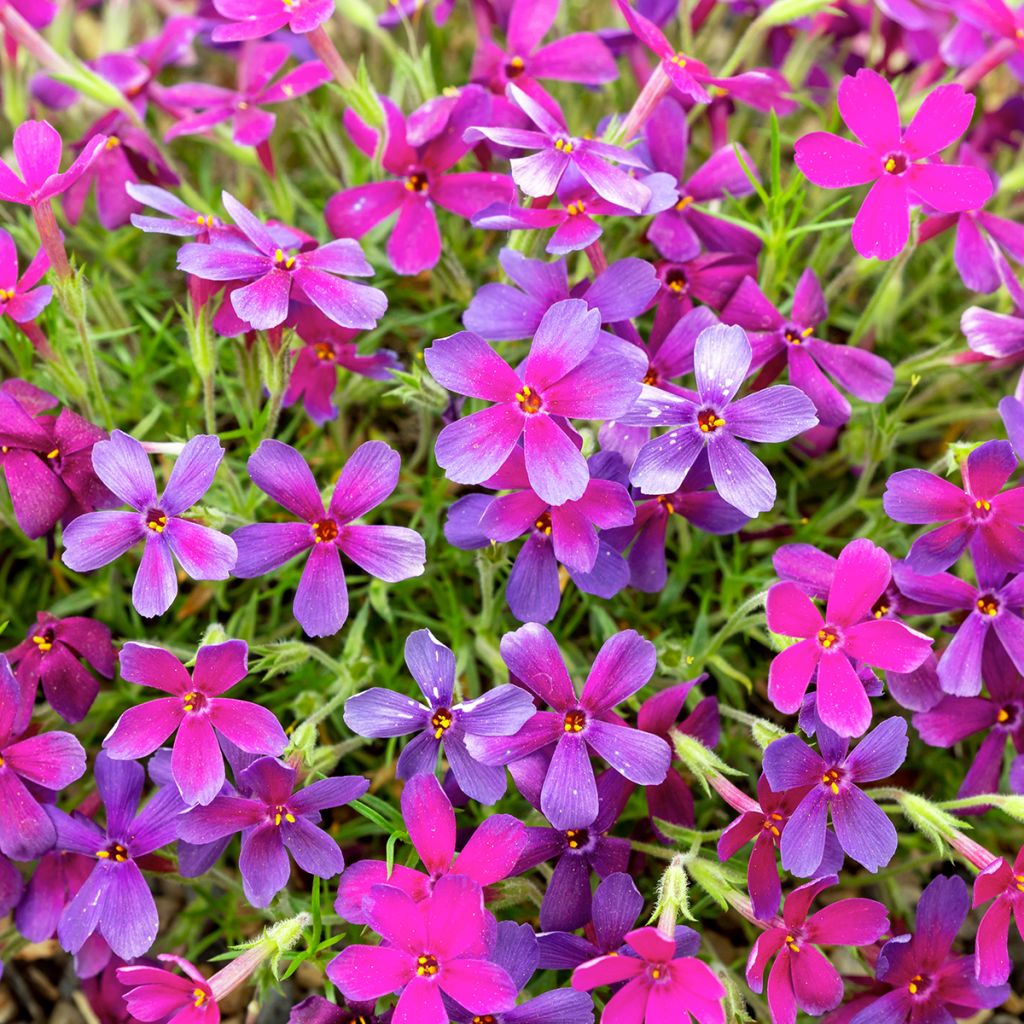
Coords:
pixel 51 239
pixel 34 333
pixel 323 46
pixel 650 95
pixel 988 61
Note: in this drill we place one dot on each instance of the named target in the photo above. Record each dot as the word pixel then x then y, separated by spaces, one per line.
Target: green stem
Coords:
pixel 731 624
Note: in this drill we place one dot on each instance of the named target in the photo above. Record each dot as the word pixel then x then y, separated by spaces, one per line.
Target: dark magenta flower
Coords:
pixel 97 538
pixel 270 276
pixel 114 901
pixel 53 654
pixel 830 643
pixel 572 372
pixel 897 161
pixel 50 760
pixel 832 781
pixel 779 341
pixel 434 946
pixel 196 711
pixel 625 663
pixel 37 149
pixel 253 19
pixel 20 299
pixel 927 981
pixel 441 724
pixel 660 984
pixel 422 176
pixel 802 977
pixel 1005 887
pixel 711 420
pixel 980 515
pixel 391 553
pixel 156 994
pixel 274 821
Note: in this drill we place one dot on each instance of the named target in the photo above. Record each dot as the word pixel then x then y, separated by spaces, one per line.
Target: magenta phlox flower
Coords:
pixel 896 161
pixel 1004 886
pixel 156 994
pixel 253 19
pixel 37 150
pixel 98 538
pixel 20 299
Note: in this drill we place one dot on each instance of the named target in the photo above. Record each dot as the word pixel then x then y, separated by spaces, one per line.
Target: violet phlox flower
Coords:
pixel 801 976
pixel 509 312
pixel 714 421
pixel 52 654
pixel 115 901
pixel 20 299
pixel 253 19
pixel 997 335
pixel 830 643
pixel 436 946
pixel 442 723
pixel 539 174
pixel 97 538
pixel 391 553
pixel 274 821
pixel 572 371
pixel 37 150
pixel 421 177
pixel 927 980
pixel 660 984
pixel 489 855
pixel 1004 886
pixel 834 777
pixel 196 711
pixel 50 761
pixel 157 994
pixel 275 276
pixel 625 663
pixel 181 220
pixel 981 515
pixel 778 340
pixel 895 160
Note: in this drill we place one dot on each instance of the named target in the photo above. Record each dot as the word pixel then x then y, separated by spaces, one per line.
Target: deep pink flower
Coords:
pixel 253 19
pixel 37 148
pixel 20 299
pixel 897 161
pixel 154 994
pixel 1005 887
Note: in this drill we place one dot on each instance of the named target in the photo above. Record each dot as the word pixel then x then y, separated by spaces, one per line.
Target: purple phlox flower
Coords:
pixel 802 977
pixel 993 619
pixel 421 177
pixel 50 760
pixel 830 643
pixel 1005 887
pixel 156 994
pixel 834 777
pixel 55 880
pixel 274 821
pixel 318 1010
pixel 711 420
pixel 999 19
pixel 581 57
pixel 196 710
pixel 53 653
pixel 780 341
pixel 391 553
pixel 680 233
pixel 253 19
pixel 625 663
pixel 434 946
pixel 660 984
pixel 997 335
pixel 761 88
pixel 181 220
pixel 764 822
pixel 710 278
pixel 275 275
pixel 980 515
pixel 1011 411
pixel 441 723
pixel 927 981
pixel 47 461
pixel 1000 715
pixel 20 299
pixel 260 63
pixel 98 538
pixel 509 312
pixel 539 174
pixel 572 372
pixel 37 149
pixel 11 886
pixel 622 40
pixel 490 854
pixel 114 900
pixel 896 161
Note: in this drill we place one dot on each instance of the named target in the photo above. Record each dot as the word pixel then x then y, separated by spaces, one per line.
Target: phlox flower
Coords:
pixel 182 221
pixel 801 976
pixel 20 299
pixel 97 538
pixel 196 711
pixel 37 149
pixel 274 821
pixel 625 663
pixel 897 161
pixel 391 553
pixel 434 946
pixel 831 779
pixel 156 994
pixel 253 19
pixel 442 724
pixel 829 643
pixel 1004 886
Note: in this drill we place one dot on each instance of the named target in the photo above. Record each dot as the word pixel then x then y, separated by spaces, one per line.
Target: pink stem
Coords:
pixel 988 61
pixel 597 258
pixel 325 49
pixel 34 333
pixel 974 853
pixel 654 89
pixel 735 798
pixel 32 41
pixel 51 239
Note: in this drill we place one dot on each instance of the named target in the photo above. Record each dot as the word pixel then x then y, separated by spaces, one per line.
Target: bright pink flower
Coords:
pixel 37 148
pixel 897 161
pixel 253 19
pixel 154 994
pixel 1005 887
pixel 20 299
